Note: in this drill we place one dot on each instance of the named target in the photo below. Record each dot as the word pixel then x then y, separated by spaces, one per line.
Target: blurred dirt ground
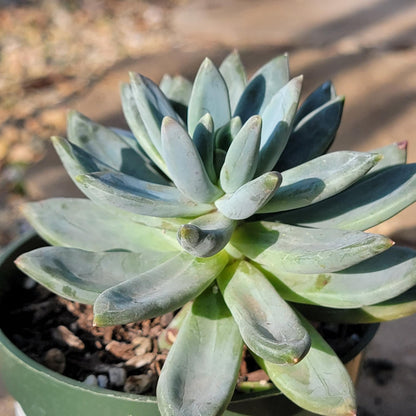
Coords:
pixel 56 55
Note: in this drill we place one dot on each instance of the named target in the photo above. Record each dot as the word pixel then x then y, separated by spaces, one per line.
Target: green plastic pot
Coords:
pixel 42 392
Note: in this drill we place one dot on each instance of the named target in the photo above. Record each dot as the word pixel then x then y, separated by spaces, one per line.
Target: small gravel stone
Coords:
pixel 102 381
pixel 63 335
pixel 141 345
pixel 117 376
pixel 141 361
pixel 55 360
pixel 120 349
pixel 91 380
pixel 138 384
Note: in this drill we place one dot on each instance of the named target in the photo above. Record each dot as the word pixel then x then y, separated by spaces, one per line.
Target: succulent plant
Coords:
pixel 223 195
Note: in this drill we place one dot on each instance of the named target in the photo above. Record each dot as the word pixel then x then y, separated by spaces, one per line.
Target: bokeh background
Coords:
pixel 56 55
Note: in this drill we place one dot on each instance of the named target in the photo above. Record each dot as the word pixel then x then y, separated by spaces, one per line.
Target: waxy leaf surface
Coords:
pixel 139 197
pixel 81 275
pixel 200 372
pixel 372 281
pixel 159 290
pixel 209 95
pixel 319 179
pixel 79 223
pixel 293 249
pixel 268 325
pixel 370 201
pixel 319 383
pixel 185 165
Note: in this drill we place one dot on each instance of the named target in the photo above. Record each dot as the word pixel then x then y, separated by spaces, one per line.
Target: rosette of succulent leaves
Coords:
pixel 223 194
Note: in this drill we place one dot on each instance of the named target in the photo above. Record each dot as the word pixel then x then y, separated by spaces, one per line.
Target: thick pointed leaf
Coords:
pixel 319 179
pixel 242 156
pixel 313 135
pixel 319 383
pixel 135 122
pixel 206 235
pixel 394 308
pixel 177 88
pixel 82 275
pixel 268 325
pixel 79 223
pixel 203 139
pixel 139 197
pixel 112 149
pixel 287 248
pixel 370 201
pixel 209 95
pixel 200 372
pixel 250 197
pixel 159 290
pixel 219 158
pixel 184 163
pixel 262 87
pixel 372 281
pixel 76 160
pixel 226 134
pixel 234 74
pixel 317 98
pixel 277 122
pixel 393 154
pixel 152 106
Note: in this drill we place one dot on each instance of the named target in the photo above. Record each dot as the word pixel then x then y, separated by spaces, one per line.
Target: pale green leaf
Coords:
pixel 159 290
pixel 250 197
pixel 319 179
pixel 209 95
pixel 242 156
pixel 319 383
pixel 293 249
pixel 200 372
pixel 268 325
pixel 185 165
pixel 206 235
pixel 79 223
pixel 81 275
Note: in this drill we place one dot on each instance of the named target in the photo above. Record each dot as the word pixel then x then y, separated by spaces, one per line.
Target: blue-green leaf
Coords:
pixel 370 201
pixel 393 154
pixel 160 290
pixel 184 163
pixel 277 122
pixel 79 223
pixel 233 72
pixel 293 249
pixel 82 275
pixel 262 87
pixel 242 156
pixel 206 235
pixel 372 281
pixel 139 197
pixel 203 139
pixel 209 95
pixel 201 382
pixel 319 179
pixel 124 155
pixel 394 308
pixel 152 106
pixel 313 135
pixel 135 122
pixel 317 98
pixel 177 88
pixel 319 383
pixel 268 325
pixel 250 197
